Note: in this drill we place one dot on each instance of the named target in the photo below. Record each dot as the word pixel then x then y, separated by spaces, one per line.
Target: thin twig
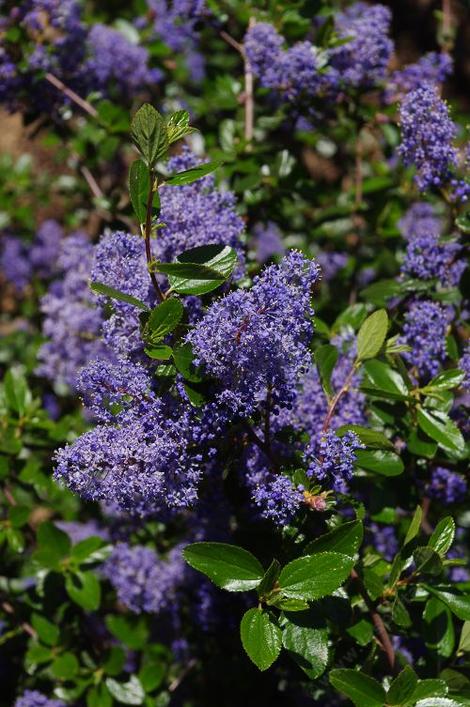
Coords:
pixel 248 91
pixel 385 642
pixel 177 681
pixel 337 398
pixel 233 42
pixel 425 524
pixel 60 85
pixel 92 183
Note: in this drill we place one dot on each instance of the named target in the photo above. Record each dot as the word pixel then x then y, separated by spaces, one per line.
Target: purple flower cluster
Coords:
pixel 432 68
pixel 384 539
pixel 446 486
pixel 424 330
pixel 72 321
pixel 331 263
pixel 20 261
pixel 464 365
pixel 362 61
pixel 57 41
pixel 144 581
pixel 292 72
pixel 117 61
pixel 273 494
pixel 331 459
pixel 143 463
pixel 427 137
pixel 33 698
pixel 420 220
pixel 267 240
pixel 82 531
pixel 196 214
pixel 176 24
pixel 427 258
pixel 256 342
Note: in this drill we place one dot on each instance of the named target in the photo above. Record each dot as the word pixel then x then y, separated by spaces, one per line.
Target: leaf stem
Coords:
pixel 148 235
pixel 337 398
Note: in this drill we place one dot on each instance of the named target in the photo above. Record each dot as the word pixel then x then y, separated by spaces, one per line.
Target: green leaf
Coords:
pixel 84 589
pixel 178 126
pixel 371 438
pixel 446 380
pixel 380 461
pixel 53 545
pixel 414 526
pixel 199 270
pixel 193 174
pixel 439 702
pixel 429 688
pixel 102 289
pixel 17 393
pixel 403 687
pixel 130 630
pixel 427 561
pixel 464 643
pixel 315 576
pixel 228 566
pixel 440 427
pixel 385 378
pixel 18 515
pixel 463 222
pixel 459 604
pixel 139 186
pixel 65 666
pixel 261 638
pixel 362 632
pixel 129 693
pixel 149 134
pixel 160 352
pixel 325 358
pixel 346 539
pixel 99 696
pixel 86 549
pixel 183 357
pixel 400 614
pixel 164 318
pixel 307 646
pixel 443 535
pixel 372 335
pixel 363 690
pixel 381 291
pixel 47 632
pixel 270 577
pixel 285 604
pixel 439 634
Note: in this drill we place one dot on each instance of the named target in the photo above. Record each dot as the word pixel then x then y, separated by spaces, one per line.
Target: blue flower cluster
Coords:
pixel 432 68
pixel 145 582
pixel 20 261
pixel 424 330
pixel 446 486
pixel 427 139
pixel 33 698
pixel 427 258
pixel 256 342
pixel 331 459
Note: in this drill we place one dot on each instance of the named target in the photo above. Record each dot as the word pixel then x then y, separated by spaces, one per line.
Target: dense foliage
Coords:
pixel 233 416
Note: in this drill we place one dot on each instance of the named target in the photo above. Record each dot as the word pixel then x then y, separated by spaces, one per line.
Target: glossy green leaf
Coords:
pixel 17 393
pixel 325 358
pixel 178 126
pixel 315 576
pixel 48 632
pixel 427 561
pixel 443 535
pixel 261 638
pixel 164 318
pixel 149 134
pixel 373 439
pixel 102 289
pixel 84 589
pixel 346 539
pixel 403 687
pixel 139 186
pixel 372 335
pixel 380 461
pixel 127 693
pixel 363 690
pixel 464 642
pixel 459 604
pixel 446 380
pixel 429 688
pixel 200 270
pixel 380 292
pixel 442 429
pixel 415 525
pixel 65 666
pixel 270 577
pixel 386 378
pixel 228 566
pixel 193 174
pixel 307 646
pixel 183 357
pixel 159 352
pixel 439 633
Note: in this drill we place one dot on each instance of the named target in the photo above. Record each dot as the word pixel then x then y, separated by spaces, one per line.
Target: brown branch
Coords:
pixel 84 105
pixel 248 100
pixel 337 398
pixel 385 642
pixel 148 235
pixel 92 183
